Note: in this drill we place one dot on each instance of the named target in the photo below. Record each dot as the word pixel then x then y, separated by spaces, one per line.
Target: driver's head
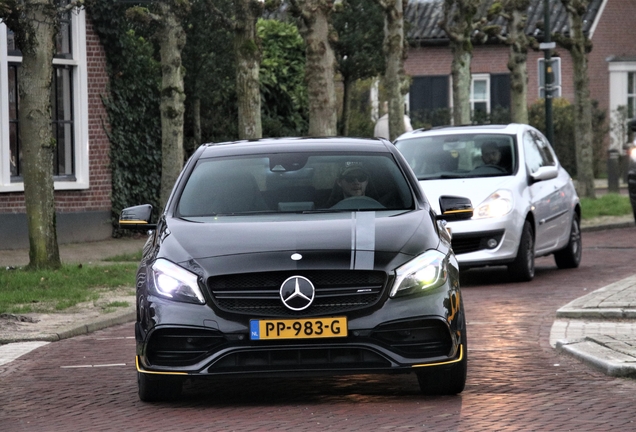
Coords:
pixel 490 153
pixel 353 179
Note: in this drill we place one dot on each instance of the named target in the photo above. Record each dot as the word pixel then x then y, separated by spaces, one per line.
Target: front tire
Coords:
pixel 448 381
pixel 570 256
pixel 522 268
pixel 154 388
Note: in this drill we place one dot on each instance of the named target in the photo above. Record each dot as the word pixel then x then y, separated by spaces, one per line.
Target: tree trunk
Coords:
pixel 346 106
pixel 247 69
pixel 37 29
pixel 196 121
pixel 458 26
pixel 517 64
pixel 171 39
pixel 583 133
pixel 320 67
pixel 394 75
pixel 460 72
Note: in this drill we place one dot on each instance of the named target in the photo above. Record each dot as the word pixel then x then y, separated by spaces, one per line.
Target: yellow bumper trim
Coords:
pixel 457 360
pixel 139 369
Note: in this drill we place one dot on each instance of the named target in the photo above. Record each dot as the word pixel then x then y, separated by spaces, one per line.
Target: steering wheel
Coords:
pixel 491 167
pixel 357 202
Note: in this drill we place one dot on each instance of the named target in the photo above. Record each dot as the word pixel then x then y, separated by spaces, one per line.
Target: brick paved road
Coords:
pixel 516 381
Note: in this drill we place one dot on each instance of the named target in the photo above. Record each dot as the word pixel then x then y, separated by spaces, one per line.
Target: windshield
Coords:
pixel 294 183
pixel 460 156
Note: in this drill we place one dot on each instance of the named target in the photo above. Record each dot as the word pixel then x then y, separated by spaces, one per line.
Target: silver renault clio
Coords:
pixel 525 204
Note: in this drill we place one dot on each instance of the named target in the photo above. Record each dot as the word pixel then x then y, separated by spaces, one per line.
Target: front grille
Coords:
pixel 418 338
pixel 466 243
pixel 319 358
pixel 337 291
pixel 180 347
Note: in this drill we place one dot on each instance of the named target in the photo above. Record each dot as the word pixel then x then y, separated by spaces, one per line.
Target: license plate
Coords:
pixel 298 328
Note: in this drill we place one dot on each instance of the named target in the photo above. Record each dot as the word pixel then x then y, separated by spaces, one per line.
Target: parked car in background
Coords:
pixel 631 172
pixel 288 257
pixel 525 202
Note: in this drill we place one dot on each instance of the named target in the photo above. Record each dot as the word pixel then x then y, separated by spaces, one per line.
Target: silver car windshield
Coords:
pixel 294 183
pixel 460 156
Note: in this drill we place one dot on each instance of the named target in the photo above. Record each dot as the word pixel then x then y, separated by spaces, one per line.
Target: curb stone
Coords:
pixel 107 320
pixel 608 360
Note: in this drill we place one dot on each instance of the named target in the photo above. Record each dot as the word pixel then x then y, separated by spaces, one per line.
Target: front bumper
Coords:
pixel 306 361
pixel 428 332
pixel 484 242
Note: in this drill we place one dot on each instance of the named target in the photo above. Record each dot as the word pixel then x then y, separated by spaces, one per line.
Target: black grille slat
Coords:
pixel 181 346
pixel 337 291
pixel 247 294
pixel 419 338
pixel 468 245
pixel 299 358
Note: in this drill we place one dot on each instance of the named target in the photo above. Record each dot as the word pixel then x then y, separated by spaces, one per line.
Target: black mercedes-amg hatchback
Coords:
pixel 296 256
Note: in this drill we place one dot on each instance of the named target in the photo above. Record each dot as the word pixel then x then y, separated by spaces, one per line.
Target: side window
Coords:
pixel 546 152
pixel 537 151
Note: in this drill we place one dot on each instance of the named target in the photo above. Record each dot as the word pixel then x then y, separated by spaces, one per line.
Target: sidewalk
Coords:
pixel 598 329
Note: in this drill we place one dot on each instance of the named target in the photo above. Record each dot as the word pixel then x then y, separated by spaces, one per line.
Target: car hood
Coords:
pixel 475 189
pixel 358 240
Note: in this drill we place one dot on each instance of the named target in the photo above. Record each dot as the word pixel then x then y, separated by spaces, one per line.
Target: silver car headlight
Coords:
pixel 498 204
pixel 176 283
pixel 425 271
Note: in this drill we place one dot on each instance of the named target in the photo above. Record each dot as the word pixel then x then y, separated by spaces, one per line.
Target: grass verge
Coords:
pixel 607 205
pixel 24 291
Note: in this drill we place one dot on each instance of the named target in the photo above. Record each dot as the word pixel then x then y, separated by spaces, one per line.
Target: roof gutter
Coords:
pixel 599 14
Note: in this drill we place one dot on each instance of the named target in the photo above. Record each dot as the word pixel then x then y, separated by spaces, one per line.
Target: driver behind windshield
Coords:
pixel 352 182
pixel 490 153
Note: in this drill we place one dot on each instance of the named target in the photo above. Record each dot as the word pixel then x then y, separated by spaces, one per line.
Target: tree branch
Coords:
pixel 227 22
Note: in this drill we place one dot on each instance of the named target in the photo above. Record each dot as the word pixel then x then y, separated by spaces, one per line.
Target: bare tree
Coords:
pixel 248 60
pixel 321 64
pixel 515 12
pixel 394 78
pixel 459 23
pixel 579 45
pixel 167 16
pixel 35 24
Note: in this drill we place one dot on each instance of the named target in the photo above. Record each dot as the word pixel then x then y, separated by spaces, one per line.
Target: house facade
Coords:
pixel 611 64
pixel 82 171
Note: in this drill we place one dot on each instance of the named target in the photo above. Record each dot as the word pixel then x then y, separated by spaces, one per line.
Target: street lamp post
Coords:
pixel 547 46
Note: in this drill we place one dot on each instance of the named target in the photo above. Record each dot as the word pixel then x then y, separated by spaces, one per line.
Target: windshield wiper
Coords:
pixel 320 211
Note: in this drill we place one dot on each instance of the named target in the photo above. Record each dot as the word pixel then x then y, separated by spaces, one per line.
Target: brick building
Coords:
pixel 82 171
pixel 610 24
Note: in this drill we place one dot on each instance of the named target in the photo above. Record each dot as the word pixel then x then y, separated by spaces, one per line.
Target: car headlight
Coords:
pixel 425 271
pixel 176 283
pixel 498 204
pixel 632 154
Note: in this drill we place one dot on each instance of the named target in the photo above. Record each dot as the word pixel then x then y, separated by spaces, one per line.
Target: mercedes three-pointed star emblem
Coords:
pixel 297 293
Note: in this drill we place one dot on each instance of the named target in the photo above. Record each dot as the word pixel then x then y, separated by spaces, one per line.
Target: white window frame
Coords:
pixel 618 83
pixel 80 108
pixel 556 71
pixel 631 95
pixel 473 100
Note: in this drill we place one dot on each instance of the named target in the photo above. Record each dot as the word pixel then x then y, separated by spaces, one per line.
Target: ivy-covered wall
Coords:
pixel 132 106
